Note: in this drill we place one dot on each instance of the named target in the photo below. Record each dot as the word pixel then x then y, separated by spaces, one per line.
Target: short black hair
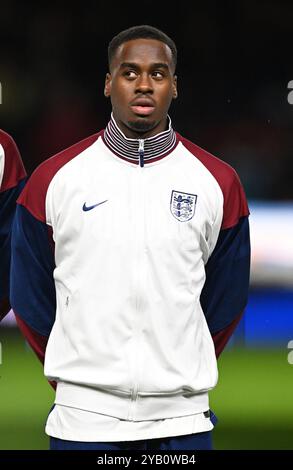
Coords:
pixel 141 32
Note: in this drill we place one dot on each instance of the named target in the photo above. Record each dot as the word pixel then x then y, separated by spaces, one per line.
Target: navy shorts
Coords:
pixel 197 441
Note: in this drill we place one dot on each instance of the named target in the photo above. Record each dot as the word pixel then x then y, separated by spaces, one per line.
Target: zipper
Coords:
pixel 138 266
pixel 141 152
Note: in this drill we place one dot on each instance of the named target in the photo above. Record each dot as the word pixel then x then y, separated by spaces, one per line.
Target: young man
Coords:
pixel 142 238
pixel 12 178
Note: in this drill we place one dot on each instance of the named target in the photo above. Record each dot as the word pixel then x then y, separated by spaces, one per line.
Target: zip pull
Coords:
pixel 141 152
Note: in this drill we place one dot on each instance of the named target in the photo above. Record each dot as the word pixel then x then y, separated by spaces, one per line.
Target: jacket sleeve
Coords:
pixel 7 208
pixel 225 291
pixel 32 289
pixel 36 341
pixel 12 181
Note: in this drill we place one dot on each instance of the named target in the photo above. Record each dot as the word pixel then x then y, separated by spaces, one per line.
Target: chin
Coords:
pixel 141 125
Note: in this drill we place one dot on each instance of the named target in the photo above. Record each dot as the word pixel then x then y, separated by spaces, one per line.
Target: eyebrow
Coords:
pixel 136 66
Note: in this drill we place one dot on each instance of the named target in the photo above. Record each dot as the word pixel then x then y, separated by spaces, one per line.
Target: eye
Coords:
pixel 158 74
pixel 131 74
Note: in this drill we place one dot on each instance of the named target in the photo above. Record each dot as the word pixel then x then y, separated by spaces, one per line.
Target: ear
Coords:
pixel 108 83
pixel 175 92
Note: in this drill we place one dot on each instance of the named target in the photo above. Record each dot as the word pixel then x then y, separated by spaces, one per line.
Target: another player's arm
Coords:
pixel 225 292
pixel 7 209
pixel 12 181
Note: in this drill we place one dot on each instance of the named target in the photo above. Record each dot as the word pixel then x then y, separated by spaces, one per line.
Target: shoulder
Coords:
pixel 6 140
pixel 34 194
pixel 12 169
pixel 235 204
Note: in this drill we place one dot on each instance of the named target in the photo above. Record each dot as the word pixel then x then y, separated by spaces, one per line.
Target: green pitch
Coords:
pixel 253 398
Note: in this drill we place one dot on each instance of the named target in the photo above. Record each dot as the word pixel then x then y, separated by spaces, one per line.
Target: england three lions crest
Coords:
pixel 182 205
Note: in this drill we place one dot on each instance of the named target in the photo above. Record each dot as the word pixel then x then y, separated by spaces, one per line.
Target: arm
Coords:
pixel 225 292
pixel 7 209
pixel 36 341
pixel 32 292
pixel 12 181
pixel 222 337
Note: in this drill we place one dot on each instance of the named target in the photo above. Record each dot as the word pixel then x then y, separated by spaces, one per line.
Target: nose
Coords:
pixel 144 84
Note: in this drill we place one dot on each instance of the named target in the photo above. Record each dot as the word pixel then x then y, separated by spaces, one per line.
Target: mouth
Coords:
pixel 142 107
pixel 143 110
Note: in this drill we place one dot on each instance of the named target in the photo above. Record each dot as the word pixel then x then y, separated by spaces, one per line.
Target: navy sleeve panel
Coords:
pixel 32 288
pixel 7 210
pixel 36 341
pixel 222 337
pixel 225 291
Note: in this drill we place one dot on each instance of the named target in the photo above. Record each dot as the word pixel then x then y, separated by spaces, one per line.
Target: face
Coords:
pixel 141 85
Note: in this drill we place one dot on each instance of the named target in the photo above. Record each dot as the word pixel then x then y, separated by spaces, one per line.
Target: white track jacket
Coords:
pixel 128 256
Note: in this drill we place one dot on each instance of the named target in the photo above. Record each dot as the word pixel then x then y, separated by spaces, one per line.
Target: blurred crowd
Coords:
pixel 233 70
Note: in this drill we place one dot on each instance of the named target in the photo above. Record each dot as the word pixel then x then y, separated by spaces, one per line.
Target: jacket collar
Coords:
pixel 139 151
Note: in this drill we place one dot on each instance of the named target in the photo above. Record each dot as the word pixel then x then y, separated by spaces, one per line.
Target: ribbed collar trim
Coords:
pixel 139 150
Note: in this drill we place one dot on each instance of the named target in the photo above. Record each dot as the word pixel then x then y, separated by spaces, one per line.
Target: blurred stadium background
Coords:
pixel 233 72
